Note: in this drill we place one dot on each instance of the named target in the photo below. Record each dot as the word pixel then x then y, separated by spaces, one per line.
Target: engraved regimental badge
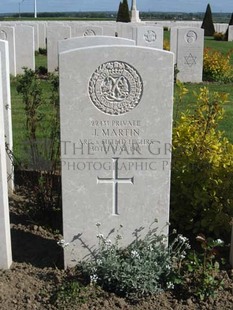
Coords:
pixel 115 88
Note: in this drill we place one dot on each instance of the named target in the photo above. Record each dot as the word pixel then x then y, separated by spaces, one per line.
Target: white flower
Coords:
pixel 62 243
pixel 93 279
pixel 219 241
pixel 99 261
pixel 100 236
pixel 182 238
pixel 170 285
pixel 134 254
pixel 108 242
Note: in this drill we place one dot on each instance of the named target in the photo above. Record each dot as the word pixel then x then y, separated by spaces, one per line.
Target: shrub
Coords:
pixel 123 14
pixel 216 66
pixel 202 170
pixel 207 23
pixel 43 153
pixel 166 45
pixel 219 36
pixel 145 267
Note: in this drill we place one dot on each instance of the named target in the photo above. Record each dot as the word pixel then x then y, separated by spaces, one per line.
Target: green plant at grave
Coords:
pixel 207 23
pixel 47 184
pixel 29 86
pixel 202 169
pixel 43 150
pixel 123 14
pixel 216 66
pixel 70 292
pixel 143 268
pixel 200 270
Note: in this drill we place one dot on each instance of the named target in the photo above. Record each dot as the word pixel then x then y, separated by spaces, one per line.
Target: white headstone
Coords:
pixel 150 36
pixel 55 34
pixel 109 30
pixel 86 31
pixel 8 34
pixel 127 30
pixel 173 42
pixel 35 26
pixel 230 33
pixel 79 42
pixel 116 123
pixel 6 97
pixel 5 240
pixel 42 34
pixel 24 46
pixel 190 45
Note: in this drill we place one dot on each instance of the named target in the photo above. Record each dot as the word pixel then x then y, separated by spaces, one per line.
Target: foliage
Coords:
pixel 219 36
pixel 201 270
pixel 72 292
pixel 166 45
pixel 207 23
pixel 30 88
pixel 202 169
pixel 123 14
pixel 44 153
pixel 144 267
pixel 42 51
pixel 216 66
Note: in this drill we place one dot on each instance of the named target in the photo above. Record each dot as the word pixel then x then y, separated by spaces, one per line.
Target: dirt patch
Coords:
pixel 36 279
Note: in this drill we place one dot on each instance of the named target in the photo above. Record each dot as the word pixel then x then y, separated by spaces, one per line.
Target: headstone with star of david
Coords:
pixel 116 107
pixel 189 54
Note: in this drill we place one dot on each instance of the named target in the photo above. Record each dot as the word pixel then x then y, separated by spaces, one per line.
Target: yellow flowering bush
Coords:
pixel 216 66
pixel 202 169
pixel 166 45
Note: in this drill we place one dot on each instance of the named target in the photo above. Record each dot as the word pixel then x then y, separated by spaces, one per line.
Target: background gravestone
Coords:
pixel 6 98
pixel 190 45
pixel 86 31
pixel 25 49
pixel 116 122
pixel 79 42
pixel 127 30
pixel 5 240
pixel 54 34
pixel 150 36
pixel 230 33
pixel 8 34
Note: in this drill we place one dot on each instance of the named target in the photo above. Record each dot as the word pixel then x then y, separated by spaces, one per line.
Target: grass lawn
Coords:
pixel 19 119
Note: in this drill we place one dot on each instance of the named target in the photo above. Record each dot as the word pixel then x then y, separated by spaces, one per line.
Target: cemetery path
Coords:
pixel 35 276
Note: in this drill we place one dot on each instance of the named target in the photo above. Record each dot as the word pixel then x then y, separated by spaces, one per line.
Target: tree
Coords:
pixel 230 24
pixel 123 14
pixel 207 23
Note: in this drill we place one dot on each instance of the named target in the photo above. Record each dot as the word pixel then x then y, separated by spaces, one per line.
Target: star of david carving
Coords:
pixel 190 60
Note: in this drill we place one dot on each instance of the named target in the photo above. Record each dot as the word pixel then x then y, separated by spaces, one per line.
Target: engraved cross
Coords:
pixel 115 181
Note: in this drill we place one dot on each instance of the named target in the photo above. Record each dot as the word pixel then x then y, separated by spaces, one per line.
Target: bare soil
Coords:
pixel 36 279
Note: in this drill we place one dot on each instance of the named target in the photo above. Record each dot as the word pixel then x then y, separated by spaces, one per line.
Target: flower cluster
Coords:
pixel 146 266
